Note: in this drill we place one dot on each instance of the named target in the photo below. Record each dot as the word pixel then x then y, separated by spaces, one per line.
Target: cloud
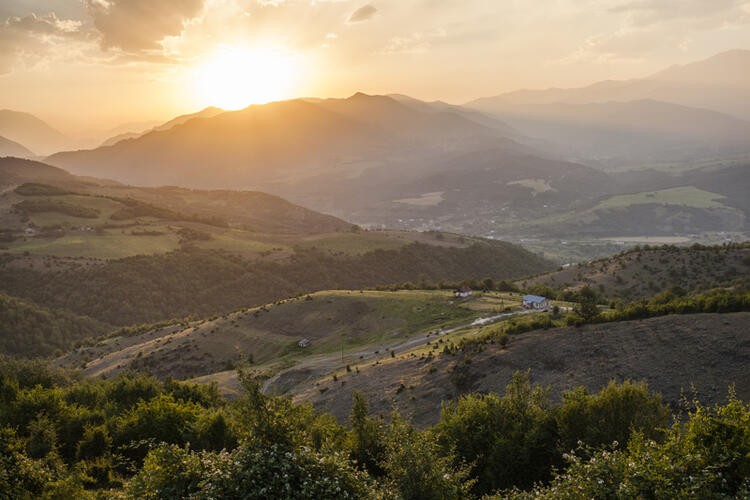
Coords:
pixel 31 39
pixel 648 26
pixel 416 43
pixel 364 13
pixel 138 26
pixel 649 12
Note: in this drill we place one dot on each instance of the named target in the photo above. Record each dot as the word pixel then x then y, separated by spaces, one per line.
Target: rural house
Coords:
pixel 535 302
pixel 462 292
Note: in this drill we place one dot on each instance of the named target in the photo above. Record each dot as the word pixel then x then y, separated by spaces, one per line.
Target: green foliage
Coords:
pixel 418 469
pixel 169 472
pixel 60 207
pixel 609 416
pixel 29 330
pixel 276 471
pixel 707 456
pixel 510 440
pixel 367 437
pixel 136 437
pixel 145 289
pixel 36 189
pixel 587 309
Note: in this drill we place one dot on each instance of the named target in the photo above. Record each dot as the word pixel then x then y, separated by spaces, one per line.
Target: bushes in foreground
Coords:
pixel 136 437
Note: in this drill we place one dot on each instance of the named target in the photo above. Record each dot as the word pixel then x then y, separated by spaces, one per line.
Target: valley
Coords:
pixel 394 250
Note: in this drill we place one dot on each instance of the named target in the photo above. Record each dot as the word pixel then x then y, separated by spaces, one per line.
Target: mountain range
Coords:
pixel 31 132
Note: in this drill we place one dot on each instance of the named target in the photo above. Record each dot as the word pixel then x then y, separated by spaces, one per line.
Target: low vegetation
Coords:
pixel 644 271
pixel 135 437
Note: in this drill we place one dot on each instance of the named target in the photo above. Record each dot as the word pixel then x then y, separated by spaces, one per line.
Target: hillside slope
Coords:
pixel 267 337
pixel 641 272
pixel 32 132
pixel 656 350
pixel 200 282
pixel 13 148
pixel 30 331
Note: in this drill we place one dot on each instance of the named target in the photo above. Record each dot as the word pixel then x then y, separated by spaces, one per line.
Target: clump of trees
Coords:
pixel 136 437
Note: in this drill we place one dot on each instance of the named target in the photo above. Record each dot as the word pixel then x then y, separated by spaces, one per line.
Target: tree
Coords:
pixel 418 470
pixel 510 440
pixel 587 308
pixel 366 437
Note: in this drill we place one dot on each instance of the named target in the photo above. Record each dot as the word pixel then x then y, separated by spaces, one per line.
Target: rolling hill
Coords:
pixel 12 148
pixel 125 255
pixel 642 272
pixel 267 336
pixel 32 132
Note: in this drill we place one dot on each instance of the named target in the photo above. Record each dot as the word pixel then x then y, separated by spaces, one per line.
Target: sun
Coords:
pixel 235 77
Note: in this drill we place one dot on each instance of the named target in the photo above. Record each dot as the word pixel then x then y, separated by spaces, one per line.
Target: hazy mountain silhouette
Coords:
pixel 631 132
pixel 285 142
pixel 32 132
pixel 204 113
pixel 12 148
pixel 720 83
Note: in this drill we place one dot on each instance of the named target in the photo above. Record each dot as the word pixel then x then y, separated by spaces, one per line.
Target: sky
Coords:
pixel 93 65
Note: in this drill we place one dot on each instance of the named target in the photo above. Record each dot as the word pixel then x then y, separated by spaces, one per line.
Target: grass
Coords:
pixel 687 196
pixel 110 245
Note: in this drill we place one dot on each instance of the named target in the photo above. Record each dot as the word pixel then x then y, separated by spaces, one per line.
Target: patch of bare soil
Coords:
pixel 675 355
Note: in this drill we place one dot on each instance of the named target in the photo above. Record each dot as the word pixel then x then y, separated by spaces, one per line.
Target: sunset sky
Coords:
pixel 84 65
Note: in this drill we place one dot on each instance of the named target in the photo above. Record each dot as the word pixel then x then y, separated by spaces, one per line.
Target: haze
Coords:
pixel 88 66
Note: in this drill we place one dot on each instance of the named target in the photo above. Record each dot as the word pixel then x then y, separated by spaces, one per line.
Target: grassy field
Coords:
pixel 688 196
pixel 112 244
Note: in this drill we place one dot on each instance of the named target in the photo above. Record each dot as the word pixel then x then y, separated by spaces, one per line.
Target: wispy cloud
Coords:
pixel 364 13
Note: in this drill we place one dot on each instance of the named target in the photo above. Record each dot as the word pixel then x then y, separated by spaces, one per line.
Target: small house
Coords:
pixel 535 302
pixel 462 292
pixel 304 343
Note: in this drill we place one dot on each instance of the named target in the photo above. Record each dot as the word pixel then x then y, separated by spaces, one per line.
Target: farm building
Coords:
pixel 462 292
pixel 304 343
pixel 535 302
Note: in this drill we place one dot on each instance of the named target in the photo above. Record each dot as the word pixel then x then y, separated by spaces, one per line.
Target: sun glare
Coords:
pixel 235 77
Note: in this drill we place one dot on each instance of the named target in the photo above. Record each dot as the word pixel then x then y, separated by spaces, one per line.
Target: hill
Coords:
pixel 642 272
pixel 719 83
pixel 635 132
pixel 12 148
pixel 32 132
pixel 250 147
pixel 653 350
pixel 29 330
pixel 121 136
pixel 454 162
pixel 267 337
pixel 203 282
pixel 16 171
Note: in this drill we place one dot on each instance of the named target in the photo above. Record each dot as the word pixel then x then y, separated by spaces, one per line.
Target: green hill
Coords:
pixel 267 337
pixel 642 272
pixel 202 282
pixel 29 330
